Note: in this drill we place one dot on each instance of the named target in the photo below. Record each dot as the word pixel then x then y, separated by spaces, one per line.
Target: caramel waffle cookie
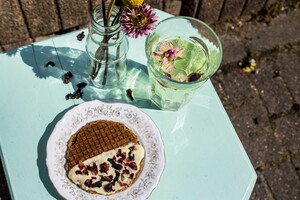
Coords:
pixel 95 138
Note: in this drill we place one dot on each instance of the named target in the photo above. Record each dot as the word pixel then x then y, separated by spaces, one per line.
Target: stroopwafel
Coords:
pixel 99 145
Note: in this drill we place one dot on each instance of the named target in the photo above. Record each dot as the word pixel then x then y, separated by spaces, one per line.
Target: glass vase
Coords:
pixel 182 53
pixel 107 48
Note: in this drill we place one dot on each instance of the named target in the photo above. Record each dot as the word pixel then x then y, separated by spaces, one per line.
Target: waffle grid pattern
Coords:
pixel 95 138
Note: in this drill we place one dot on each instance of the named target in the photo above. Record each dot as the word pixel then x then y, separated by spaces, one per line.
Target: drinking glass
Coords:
pixel 182 54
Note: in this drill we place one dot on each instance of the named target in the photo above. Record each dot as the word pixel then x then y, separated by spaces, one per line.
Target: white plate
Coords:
pixel 133 118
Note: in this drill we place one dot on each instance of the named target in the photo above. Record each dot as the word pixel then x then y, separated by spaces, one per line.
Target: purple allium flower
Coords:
pixel 138 21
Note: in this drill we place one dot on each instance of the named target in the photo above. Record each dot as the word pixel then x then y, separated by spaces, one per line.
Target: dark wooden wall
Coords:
pixel 26 21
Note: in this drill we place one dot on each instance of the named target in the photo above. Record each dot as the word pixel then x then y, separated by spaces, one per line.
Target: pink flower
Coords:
pixel 167 65
pixel 167 54
pixel 138 21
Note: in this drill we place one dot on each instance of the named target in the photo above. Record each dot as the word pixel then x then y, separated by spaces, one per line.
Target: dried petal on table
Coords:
pixel 77 94
pixel 70 96
pixel 67 77
pixel 129 94
pixel 80 36
pixel 50 64
pixel 81 85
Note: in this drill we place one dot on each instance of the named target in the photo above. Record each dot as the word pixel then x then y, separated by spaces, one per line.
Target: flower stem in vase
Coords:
pixel 107 22
pixel 117 18
pixel 100 51
pixel 111 5
pixel 97 65
pixel 104 13
pixel 107 43
pixel 106 68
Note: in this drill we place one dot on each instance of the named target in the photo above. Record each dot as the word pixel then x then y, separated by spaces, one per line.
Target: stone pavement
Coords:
pixel 264 106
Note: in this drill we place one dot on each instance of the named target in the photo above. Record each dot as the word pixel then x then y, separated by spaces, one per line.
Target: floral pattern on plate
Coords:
pixel 133 118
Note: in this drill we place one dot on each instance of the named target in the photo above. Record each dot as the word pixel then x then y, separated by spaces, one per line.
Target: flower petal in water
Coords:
pixel 180 77
pixel 167 65
pixel 167 53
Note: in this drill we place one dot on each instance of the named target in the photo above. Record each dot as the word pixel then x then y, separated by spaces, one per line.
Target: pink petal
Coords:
pixel 157 57
pixel 170 68
pixel 159 53
pixel 165 46
pixel 165 60
pixel 167 66
pixel 179 51
pixel 180 77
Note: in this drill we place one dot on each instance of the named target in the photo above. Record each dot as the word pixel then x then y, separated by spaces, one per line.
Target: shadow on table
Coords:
pixel 45 64
pixel 42 154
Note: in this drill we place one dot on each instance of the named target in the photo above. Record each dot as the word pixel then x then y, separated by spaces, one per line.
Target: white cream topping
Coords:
pixel 127 173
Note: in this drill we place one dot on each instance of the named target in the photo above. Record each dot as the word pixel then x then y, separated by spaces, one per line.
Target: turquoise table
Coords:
pixel 204 156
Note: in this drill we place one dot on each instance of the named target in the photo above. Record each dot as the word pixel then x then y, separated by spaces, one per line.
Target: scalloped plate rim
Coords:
pixel 152 141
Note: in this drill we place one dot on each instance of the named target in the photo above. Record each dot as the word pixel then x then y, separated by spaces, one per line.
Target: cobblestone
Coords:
pixel 210 10
pixel 296 163
pixel 272 89
pixel 73 15
pixel 264 106
pixel 282 30
pixel 287 129
pixel 283 181
pixel 16 44
pixel 261 191
pixel 172 6
pixel 231 9
pixel 12 24
pixel 41 21
pixel 288 64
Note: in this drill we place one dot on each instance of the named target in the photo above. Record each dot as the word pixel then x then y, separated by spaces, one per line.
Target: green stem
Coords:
pixel 106 63
pixel 103 52
pixel 106 67
pixel 103 13
pixel 100 51
pixel 99 55
pixel 111 5
pixel 117 18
